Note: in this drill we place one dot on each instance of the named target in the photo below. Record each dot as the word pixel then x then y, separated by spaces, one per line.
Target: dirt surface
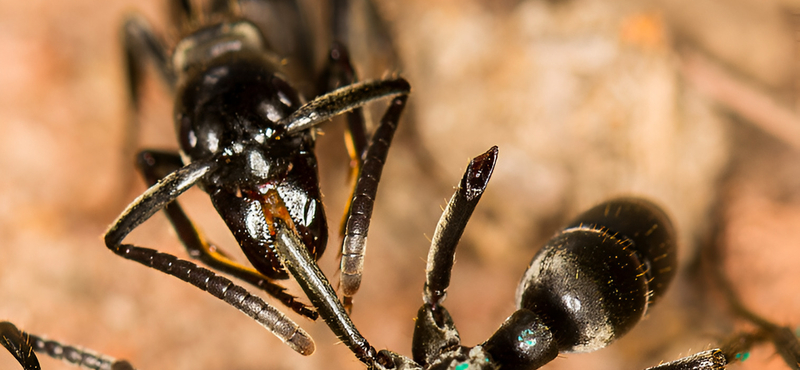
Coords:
pixel 673 100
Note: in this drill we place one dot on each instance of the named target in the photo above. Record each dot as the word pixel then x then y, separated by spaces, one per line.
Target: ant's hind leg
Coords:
pixel 156 165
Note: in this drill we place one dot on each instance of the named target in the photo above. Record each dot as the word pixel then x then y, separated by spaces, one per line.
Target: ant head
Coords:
pixel 233 103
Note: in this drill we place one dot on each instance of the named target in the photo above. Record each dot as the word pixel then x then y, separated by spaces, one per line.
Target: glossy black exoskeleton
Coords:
pixel 247 139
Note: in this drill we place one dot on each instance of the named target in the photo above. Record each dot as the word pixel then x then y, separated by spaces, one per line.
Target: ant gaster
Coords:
pixel 247 139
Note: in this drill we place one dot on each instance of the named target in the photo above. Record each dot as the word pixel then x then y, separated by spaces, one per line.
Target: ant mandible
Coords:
pixel 247 139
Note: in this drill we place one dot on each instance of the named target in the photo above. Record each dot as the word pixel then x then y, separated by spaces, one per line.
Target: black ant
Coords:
pixel 588 286
pixel 247 139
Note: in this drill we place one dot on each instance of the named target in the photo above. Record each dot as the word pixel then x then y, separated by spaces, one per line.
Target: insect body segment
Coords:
pixel 591 282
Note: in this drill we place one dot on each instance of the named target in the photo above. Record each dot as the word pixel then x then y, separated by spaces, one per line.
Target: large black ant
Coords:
pixel 247 139
pixel 588 286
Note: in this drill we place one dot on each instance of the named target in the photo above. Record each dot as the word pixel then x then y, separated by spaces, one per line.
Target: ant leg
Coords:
pixel 452 223
pixel 337 102
pixel 785 341
pixel 156 198
pixel 22 345
pixel 712 359
pixel 303 267
pixel 154 166
pixel 19 345
pixel 141 45
pixel 782 337
pixel 435 331
pixel 340 72
pixel 342 100
pixel 354 244
pixel 737 347
pixel 317 287
pixel 181 13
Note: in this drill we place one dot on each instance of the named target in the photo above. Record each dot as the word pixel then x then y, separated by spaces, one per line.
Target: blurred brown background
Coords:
pixel 691 103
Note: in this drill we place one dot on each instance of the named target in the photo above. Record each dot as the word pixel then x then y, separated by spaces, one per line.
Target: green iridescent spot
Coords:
pixel 462 367
pixel 743 356
pixel 527 333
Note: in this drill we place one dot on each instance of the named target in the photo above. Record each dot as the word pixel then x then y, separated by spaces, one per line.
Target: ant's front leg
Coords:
pixel 156 165
pixel 156 198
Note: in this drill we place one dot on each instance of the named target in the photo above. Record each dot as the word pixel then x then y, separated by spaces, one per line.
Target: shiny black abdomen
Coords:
pixel 595 280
